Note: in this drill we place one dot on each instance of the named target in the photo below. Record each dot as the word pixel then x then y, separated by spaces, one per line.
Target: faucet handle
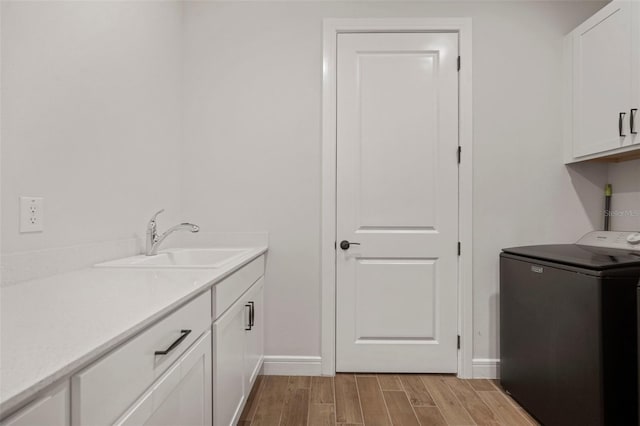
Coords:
pixel 152 222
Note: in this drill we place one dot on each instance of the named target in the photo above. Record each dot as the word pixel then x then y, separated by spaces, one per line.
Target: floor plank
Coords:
pixel 389 382
pixel 374 409
pixel 347 400
pixel 527 416
pixel 296 407
pixel 252 401
pixel 430 416
pixel 481 384
pixel 416 390
pixel 521 410
pixel 506 412
pixel 518 407
pixel 470 400
pixel 300 382
pixel 322 390
pixel 271 402
pixel 322 415
pixel 400 409
pixel 451 409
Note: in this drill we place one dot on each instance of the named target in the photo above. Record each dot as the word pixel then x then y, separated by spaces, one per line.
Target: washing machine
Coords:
pixel 569 326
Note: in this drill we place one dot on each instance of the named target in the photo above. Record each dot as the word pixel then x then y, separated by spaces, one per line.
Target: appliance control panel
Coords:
pixel 612 239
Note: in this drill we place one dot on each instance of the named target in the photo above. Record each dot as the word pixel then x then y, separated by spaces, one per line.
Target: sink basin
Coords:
pixel 179 258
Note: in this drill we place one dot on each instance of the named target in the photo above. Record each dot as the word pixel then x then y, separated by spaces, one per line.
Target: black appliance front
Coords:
pixel 568 342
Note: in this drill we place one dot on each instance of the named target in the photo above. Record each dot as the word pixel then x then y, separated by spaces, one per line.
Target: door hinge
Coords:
pixel 458 341
pixel 458 63
pixel 459 154
pixel 459 248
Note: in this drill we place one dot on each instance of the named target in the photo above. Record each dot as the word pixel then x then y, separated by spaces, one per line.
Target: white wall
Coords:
pixel 625 202
pixel 252 141
pixel 91 118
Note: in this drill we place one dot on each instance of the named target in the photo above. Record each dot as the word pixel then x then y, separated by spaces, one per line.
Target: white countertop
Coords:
pixel 52 327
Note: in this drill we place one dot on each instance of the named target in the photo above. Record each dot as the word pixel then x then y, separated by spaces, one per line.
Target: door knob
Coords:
pixel 344 244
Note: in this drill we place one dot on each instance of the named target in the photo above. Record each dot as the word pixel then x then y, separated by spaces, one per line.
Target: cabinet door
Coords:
pixel 635 102
pixel 50 410
pixel 602 79
pixel 254 338
pixel 228 364
pixel 181 396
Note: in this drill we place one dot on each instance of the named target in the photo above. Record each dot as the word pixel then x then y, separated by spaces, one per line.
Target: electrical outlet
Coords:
pixel 31 214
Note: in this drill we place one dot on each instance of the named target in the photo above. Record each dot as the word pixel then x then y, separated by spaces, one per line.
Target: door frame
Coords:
pixel 331 29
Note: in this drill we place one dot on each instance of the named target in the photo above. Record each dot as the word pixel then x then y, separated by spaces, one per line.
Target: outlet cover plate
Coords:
pixel 31 214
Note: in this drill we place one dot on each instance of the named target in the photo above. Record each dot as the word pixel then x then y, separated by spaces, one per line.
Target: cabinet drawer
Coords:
pixel 181 396
pixel 51 410
pixel 103 391
pixel 227 291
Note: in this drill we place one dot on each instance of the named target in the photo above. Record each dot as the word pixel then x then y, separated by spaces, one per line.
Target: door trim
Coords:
pixel 331 29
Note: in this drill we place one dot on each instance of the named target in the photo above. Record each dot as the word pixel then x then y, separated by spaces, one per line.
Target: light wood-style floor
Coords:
pixel 380 399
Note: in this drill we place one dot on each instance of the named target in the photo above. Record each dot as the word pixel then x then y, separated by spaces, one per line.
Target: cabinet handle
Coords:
pixel 250 326
pixel 620 124
pixel 252 314
pixel 184 334
pixel 632 121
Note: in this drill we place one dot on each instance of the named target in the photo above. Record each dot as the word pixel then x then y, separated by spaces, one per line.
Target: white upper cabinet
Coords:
pixel 602 79
pixel 604 83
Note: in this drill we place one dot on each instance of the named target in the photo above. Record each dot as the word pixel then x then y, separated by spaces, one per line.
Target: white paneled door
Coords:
pixel 397 197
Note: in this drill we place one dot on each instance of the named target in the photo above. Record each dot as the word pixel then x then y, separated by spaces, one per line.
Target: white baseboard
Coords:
pixel 483 368
pixel 486 368
pixel 292 365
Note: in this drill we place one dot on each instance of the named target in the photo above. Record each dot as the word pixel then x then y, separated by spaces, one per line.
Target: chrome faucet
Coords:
pixel 154 240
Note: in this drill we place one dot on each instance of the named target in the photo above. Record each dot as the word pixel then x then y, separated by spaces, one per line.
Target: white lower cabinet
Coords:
pixel 238 347
pixel 228 370
pixel 254 337
pixel 50 410
pixel 182 395
pixel 102 392
pixel 180 371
